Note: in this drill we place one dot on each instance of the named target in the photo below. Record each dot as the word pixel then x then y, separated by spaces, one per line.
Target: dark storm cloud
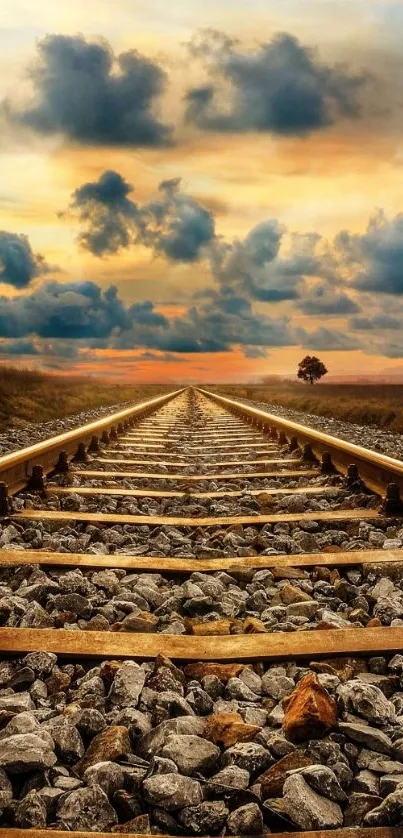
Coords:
pixel 377 255
pixel 106 212
pixel 377 322
pixel 71 310
pixel 19 265
pixel 22 346
pixel 328 340
pixel 90 96
pixel 324 299
pixel 282 87
pixel 173 225
pixel 263 268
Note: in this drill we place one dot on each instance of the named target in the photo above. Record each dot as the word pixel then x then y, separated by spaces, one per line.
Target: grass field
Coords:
pixel 29 396
pixel 367 404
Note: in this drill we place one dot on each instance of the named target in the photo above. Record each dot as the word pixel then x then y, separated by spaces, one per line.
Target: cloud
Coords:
pixel 255 352
pixel 375 322
pixel 173 225
pixel 19 265
pixel 322 298
pixel 328 340
pixel 280 87
pixel 164 357
pixel 70 310
pixel 377 255
pixel 23 346
pixel 88 95
pixel 107 213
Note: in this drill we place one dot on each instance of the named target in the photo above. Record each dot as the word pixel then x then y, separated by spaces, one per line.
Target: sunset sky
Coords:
pixel 201 189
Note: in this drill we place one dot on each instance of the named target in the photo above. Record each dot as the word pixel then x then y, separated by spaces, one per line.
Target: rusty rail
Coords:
pixel 378 472
pixel 17 468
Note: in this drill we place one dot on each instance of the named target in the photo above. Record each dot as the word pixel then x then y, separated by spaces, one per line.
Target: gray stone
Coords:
pixel 109 776
pixel 233 776
pixel 389 783
pixel 16 703
pixel 154 740
pixel 191 754
pixel 358 806
pixel 322 779
pixel 366 781
pixel 127 685
pixel 276 684
pixel 86 810
pixel 390 811
pixel 302 609
pixel 306 808
pixel 68 743
pixel 366 700
pixel 374 739
pixel 27 752
pixel 206 819
pixel 31 812
pixel 41 662
pixel 162 765
pixel 21 723
pixel 378 763
pixel 6 790
pixel 172 791
pixel 240 691
pixel 248 755
pixel 246 820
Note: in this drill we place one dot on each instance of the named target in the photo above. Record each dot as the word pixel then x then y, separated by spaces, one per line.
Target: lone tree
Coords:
pixel 311 369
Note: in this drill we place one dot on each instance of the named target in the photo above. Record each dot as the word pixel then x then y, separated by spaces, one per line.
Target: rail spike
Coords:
pixel 307 454
pixel 327 465
pixel 4 501
pixel 62 466
pixel 93 447
pixel 36 482
pixel 353 480
pixel 392 504
pixel 81 455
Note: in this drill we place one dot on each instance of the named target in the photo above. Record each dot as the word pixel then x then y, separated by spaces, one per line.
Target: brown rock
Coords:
pixel 290 594
pixel 137 826
pixel 213 627
pixel 109 745
pixel 224 671
pixel 340 664
pixel 332 548
pixel 265 500
pixel 142 622
pixel 108 671
pixel 374 623
pixel 273 779
pixel 288 573
pixel 57 682
pixel 252 625
pixel 229 728
pixel 310 711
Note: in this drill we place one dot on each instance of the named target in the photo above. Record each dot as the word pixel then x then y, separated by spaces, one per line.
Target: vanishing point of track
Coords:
pixel 186 441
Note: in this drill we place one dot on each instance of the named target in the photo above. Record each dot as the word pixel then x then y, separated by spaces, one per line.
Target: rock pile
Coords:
pixel 236 601
pixel 200 749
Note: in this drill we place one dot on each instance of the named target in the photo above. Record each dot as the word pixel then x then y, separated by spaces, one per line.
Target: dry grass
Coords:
pixel 29 396
pixel 366 404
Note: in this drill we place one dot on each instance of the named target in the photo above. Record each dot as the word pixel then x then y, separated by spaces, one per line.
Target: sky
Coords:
pixel 203 191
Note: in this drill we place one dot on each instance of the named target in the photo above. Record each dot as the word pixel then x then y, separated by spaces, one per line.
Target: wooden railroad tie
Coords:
pixel 182 521
pixel 184 564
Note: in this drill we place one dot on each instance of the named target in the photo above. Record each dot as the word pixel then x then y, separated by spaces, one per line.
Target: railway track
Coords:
pixel 201 615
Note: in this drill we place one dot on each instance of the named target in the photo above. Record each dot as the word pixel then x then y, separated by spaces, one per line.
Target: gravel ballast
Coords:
pixel 203 749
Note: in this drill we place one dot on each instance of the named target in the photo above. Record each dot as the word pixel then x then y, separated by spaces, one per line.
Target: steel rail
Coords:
pixel 376 471
pixel 16 468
